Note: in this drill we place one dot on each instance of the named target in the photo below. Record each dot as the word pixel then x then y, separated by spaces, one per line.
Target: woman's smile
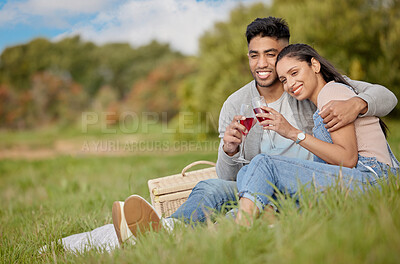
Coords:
pixel 296 91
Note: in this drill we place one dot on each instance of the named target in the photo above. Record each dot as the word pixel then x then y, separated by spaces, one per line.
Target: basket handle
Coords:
pixel 197 163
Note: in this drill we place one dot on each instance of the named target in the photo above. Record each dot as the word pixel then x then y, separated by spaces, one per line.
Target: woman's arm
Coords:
pixel 342 152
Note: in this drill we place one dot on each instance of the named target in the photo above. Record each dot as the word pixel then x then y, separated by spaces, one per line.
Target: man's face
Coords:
pixel 262 56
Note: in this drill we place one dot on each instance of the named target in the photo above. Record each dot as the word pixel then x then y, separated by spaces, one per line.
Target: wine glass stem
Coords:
pixel 270 139
pixel 242 147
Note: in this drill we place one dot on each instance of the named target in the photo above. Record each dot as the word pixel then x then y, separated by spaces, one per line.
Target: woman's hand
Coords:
pixel 276 122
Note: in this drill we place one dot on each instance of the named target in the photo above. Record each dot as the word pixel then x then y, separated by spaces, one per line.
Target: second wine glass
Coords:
pixel 257 102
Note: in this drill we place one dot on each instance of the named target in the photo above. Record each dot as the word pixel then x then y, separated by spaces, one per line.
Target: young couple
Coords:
pixel 314 112
pixel 296 84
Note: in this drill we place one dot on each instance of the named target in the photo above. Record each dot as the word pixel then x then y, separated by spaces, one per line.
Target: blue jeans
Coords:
pixel 257 180
pixel 207 197
pixel 210 196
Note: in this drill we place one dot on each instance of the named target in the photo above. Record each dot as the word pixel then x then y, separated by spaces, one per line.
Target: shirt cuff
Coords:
pixel 371 110
pixel 226 158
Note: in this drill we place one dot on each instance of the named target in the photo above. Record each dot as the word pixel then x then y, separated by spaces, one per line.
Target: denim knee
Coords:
pixel 246 180
pixel 242 175
pixel 206 197
pixel 210 187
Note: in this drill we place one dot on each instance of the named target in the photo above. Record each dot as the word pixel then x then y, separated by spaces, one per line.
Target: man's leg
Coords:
pixel 134 216
pixel 207 197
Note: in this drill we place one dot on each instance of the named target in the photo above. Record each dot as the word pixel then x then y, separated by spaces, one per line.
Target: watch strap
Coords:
pixel 300 137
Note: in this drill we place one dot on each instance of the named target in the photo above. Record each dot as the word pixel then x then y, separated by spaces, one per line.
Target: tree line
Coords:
pixel 44 82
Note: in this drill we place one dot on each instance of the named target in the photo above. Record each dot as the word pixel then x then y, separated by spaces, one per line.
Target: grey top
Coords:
pixel 379 99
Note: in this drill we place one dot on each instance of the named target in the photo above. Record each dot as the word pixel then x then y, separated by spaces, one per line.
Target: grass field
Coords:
pixel 45 198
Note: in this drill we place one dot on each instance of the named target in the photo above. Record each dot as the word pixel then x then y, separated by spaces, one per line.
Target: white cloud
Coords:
pixel 45 7
pixel 177 22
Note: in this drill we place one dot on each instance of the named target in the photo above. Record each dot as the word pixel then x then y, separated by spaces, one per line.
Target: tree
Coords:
pixel 157 92
pixel 32 72
pixel 121 65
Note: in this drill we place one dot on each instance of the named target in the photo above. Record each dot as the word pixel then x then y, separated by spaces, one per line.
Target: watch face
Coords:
pixel 300 137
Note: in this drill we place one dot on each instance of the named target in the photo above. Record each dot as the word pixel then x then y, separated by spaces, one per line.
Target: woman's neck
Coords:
pixel 320 84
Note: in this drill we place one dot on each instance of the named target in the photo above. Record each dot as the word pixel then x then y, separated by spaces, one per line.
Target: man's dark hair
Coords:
pixel 268 27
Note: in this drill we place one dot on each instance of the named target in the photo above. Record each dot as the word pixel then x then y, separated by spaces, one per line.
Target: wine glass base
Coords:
pixel 241 160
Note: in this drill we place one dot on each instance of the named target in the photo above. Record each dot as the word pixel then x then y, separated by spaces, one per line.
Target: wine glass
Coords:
pixel 257 102
pixel 248 123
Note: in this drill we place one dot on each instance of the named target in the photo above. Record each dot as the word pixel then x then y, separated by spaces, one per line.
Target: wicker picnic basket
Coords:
pixel 169 192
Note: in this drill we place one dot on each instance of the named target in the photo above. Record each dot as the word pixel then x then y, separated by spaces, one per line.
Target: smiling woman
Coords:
pixel 299 78
pixel 357 155
pixel 298 73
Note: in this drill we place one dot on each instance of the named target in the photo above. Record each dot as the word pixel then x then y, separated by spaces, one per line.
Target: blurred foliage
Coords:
pixel 44 81
pixel 158 91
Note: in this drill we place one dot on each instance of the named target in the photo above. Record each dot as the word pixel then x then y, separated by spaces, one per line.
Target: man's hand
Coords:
pixel 339 113
pixel 233 136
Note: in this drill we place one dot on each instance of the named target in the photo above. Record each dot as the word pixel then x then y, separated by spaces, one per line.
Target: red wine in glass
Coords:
pixel 248 123
pixel 258 110
pixel 257 102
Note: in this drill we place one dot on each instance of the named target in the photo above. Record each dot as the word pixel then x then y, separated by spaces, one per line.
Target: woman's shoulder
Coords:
pixel 334 91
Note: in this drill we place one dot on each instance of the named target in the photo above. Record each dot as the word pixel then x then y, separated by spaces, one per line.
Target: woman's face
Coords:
pixel 299 79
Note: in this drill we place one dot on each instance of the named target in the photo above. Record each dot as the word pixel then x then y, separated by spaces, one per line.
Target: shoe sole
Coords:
pixel 117 219
pixel 140 215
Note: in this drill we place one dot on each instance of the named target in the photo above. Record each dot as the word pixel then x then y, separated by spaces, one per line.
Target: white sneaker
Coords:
pixel 140 216
pixel 169 223
pixel 120 225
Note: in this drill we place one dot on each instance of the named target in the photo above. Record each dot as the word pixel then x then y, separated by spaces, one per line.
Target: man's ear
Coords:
pixel 315 65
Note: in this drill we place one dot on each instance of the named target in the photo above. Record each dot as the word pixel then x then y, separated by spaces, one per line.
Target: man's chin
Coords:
pixel 266 84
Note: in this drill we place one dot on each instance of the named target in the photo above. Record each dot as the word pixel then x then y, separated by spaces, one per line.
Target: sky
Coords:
pixel 177 22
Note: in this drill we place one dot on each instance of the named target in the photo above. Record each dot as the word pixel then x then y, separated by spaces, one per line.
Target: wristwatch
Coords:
pixel 300 137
